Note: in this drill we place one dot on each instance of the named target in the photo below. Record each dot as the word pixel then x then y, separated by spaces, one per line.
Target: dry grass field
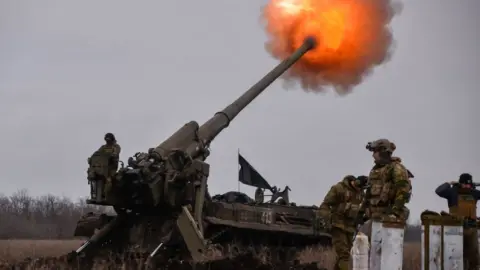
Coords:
pixel 18 250
pixel 412 256
pixel 24 216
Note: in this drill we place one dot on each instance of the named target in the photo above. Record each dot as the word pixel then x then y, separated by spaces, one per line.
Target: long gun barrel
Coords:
pixel 204 135
pixel 174 175
pixel 189 145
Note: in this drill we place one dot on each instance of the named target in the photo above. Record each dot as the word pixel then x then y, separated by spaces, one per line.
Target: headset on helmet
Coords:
pixel 381 145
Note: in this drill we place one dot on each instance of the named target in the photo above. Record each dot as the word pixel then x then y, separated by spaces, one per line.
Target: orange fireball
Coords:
pixel 352 37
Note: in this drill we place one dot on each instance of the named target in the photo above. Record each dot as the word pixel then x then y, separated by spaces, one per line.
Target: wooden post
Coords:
pixel 431 241
pixel 478 237
pixel 442 241
pixel 452 235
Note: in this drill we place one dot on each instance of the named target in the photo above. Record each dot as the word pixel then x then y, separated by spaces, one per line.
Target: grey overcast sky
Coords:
pixel 70 71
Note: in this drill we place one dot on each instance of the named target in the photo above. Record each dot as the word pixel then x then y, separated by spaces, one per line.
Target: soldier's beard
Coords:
pixel 383 158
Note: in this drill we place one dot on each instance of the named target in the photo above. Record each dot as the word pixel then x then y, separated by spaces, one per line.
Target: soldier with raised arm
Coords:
pixel 390 186
pixel 341 208
pixel 462 200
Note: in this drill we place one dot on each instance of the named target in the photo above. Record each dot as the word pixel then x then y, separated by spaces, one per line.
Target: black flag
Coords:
pixel 249 176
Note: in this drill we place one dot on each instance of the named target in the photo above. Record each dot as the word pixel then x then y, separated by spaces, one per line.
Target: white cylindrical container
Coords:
pixel 360 252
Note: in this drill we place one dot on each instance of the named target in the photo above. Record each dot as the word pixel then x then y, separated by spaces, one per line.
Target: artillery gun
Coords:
pixel 162 203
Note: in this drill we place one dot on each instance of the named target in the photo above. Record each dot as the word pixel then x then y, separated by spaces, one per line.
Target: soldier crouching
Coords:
pixel 342 207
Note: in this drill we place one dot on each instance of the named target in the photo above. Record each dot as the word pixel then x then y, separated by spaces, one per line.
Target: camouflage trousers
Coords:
pixel 342 243
pixel 470 249
pixel 109 182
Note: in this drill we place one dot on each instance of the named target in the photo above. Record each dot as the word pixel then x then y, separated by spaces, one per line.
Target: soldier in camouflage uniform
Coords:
pixel 112 148
pixel 342 207
pixel 110 153
pixel 462 200
pixel 390 186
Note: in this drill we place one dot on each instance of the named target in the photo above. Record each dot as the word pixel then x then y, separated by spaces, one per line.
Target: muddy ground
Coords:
pixel 246 261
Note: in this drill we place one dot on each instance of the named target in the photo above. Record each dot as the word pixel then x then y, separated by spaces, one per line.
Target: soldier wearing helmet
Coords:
pixel 341 208
pixel 462 200
pixel 112 148
pixel 390 186
pixel 103 166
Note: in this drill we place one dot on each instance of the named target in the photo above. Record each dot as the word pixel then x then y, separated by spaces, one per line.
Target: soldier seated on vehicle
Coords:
pixel 462 200
pixel 103 164
pixel 342 207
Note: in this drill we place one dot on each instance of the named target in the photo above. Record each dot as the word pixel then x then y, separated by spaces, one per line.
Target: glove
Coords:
pixel 398 207
pixel 361 218
pixel 365 218
pixel 396 212
pixel 323 221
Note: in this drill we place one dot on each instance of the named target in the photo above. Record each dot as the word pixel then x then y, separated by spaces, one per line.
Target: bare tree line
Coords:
pixel 23 216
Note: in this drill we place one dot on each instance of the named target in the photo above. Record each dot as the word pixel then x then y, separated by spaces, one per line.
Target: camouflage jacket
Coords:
pixel 104 161
pixel 342 205
pixel 390 189
pixel 113 150
pixel 399 160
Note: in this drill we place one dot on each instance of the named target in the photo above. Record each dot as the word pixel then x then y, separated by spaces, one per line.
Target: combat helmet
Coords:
pixel 381 145
pixel 110 136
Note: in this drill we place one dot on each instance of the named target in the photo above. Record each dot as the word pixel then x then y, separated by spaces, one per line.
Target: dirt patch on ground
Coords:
pixel 50 254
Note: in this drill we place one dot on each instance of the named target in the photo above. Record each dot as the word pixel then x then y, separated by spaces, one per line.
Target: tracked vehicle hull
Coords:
pixel 277 231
